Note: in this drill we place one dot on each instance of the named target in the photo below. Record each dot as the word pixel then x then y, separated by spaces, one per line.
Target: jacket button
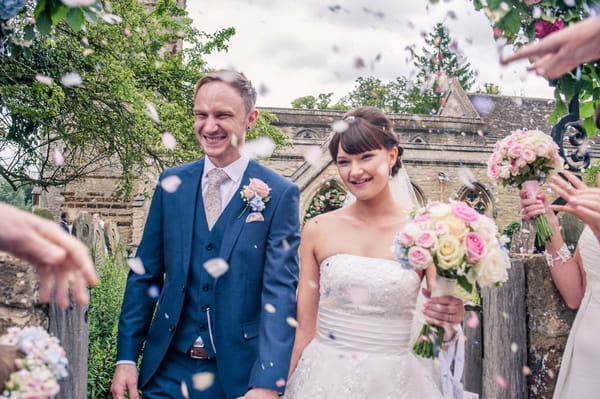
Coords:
pixel 183 288
pixel 210 247
pixel 206 287
pixel 204 308
pixel 171 329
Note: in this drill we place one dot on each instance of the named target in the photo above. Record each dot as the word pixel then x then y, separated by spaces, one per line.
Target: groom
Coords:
pixel 224 271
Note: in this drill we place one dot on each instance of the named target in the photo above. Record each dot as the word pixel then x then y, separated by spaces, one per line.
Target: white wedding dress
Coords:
pixel 363 345
pixel 578 376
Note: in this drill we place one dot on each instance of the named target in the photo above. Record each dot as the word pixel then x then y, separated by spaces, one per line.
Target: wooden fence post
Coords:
pixel 505 336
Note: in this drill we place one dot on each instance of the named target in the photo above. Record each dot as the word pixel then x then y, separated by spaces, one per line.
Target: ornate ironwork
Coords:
pixel 578 157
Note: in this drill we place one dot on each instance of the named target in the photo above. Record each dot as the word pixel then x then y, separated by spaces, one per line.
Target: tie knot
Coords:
pixel 216 176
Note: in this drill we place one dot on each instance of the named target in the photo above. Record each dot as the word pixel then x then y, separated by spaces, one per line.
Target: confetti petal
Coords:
pixel 473 320
pixel 71 79
pixel 203 381
pixel 47 80
pixel 216 267
pixel 262 147
pixel 340 126
pixel 270 308
pixel 313 155
pixel 170 183
pixel 136 265
pixel 152 112
pixel 484 105
pixel 501 381
pixel 292 322
pixel 169 141
pixel 184 390
pixel 467 177
pixel 59 158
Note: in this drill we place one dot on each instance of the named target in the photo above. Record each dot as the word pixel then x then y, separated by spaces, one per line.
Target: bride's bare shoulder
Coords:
pixel 325 221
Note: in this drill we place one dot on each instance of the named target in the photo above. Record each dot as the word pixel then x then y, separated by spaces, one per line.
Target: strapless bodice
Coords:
pixel 366 303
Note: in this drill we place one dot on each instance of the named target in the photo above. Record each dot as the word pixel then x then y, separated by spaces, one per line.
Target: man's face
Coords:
pixel 69 218
pixel 220 122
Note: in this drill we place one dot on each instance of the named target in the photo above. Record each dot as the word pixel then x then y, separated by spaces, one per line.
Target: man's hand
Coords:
pixel 125 380
pixel 261 393
pixel 63 263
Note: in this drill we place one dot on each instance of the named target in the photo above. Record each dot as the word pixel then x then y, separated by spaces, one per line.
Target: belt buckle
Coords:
pixel 199 352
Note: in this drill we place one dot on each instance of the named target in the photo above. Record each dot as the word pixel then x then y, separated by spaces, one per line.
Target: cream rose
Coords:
pixel 449 251
pixel 493 268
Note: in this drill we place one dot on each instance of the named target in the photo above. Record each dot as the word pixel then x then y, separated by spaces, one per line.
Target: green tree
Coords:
pixel 514 22
pixel 322 101
pixel 19 197
pixel 134 88
pixel 371 91
pixel 437 64
pixel 488 88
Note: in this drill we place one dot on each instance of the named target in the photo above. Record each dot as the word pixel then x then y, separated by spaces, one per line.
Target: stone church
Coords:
pixel 445 156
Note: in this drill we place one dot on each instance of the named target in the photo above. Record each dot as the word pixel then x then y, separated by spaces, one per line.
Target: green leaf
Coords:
pixel 586 109
pixel 511 22
pixel 39 8
pixel 75 19
pixel 90 15
pixel 590 126
pixel 29 33
pixel 44 23
pixel 59 13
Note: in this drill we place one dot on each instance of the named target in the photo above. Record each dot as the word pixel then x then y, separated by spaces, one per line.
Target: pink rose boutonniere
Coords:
pixel 255 195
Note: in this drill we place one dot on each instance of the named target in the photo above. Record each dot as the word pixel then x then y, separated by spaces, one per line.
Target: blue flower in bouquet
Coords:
pixel 257 204
pixel 10 8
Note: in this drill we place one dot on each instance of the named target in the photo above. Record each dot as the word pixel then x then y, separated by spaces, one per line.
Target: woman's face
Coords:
pixel 367 173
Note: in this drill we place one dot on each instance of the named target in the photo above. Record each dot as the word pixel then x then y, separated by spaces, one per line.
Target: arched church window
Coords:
pixel 329 198
pixel 478 198
pixel 307 134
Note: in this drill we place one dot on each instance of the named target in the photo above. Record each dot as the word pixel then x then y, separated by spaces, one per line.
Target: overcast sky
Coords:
pixel 294 48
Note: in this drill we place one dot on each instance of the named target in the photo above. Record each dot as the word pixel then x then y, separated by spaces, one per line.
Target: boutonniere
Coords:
pixel 255 195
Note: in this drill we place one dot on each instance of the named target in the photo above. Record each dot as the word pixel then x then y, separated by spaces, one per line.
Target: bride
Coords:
pixel 355 301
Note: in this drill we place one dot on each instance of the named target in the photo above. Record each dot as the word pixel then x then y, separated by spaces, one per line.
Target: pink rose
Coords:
pixel 544 28
pixel 405 239
pixel 259 187
pixel 541 149
pixel 515 150
pixel 475 247
pixel 441 228
pixel 528 156
pixel 419 257
pixel 465 213
pixel 494 171
pixel 495 158
pixel 426 239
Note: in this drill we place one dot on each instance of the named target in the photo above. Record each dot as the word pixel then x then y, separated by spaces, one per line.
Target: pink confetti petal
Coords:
pixel 71 79
pixel 313 155
pixel 59 158
pixel 169 141
pixel 47 80
pixel 501 381
pixel 473 320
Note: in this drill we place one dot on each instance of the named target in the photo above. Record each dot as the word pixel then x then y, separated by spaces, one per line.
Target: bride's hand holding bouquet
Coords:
pixel 524 159
pixel 465 248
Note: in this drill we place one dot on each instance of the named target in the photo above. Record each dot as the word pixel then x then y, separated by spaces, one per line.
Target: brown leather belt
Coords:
pixel 199 352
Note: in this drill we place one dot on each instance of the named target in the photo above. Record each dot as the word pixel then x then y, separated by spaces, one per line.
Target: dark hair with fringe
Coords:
pixel 368 129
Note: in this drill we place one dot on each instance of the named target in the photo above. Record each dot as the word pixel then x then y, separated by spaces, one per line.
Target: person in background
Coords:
pixel 66 221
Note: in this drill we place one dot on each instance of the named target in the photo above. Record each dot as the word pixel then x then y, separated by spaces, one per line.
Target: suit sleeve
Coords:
pixel 138 306
pixel 280 280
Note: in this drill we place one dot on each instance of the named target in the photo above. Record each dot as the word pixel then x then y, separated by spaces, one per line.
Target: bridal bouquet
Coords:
pixel 43 363
pixel 524 159
pixel 465 248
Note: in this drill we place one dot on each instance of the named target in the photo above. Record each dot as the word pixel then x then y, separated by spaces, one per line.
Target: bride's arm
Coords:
pixel 308 292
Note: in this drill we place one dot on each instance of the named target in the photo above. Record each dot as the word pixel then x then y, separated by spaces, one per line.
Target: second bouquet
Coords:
pixel 465 248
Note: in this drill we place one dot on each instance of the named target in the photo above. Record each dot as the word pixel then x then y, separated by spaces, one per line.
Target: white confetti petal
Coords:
pixel 313 155
pixel 270 308
pixel 169 141
pixel 184 390
pixel 151 112
pixel 514 347
pixel 112 18
pixel 136 265
pixel 467 177
pixel 203 381
pixel 260 148
pixel 78 3
pixel 47 80
pixel 340 126
pixel 59 159
pixel 292 322
pixel 216 267
pixel 153 291
pixel 170 183
pixel 484 105
pixel 71 79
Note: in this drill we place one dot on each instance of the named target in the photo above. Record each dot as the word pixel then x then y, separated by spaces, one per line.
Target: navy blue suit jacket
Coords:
pixel 253 345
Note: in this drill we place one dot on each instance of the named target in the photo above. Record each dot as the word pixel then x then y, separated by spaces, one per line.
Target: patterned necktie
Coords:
pixel 212 195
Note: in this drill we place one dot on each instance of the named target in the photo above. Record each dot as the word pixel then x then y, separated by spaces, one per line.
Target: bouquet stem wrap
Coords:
pixel 543 229
pixel 431 337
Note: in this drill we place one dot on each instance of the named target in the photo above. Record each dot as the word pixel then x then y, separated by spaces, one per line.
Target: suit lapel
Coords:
pixel 234 210
pixel 187 197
